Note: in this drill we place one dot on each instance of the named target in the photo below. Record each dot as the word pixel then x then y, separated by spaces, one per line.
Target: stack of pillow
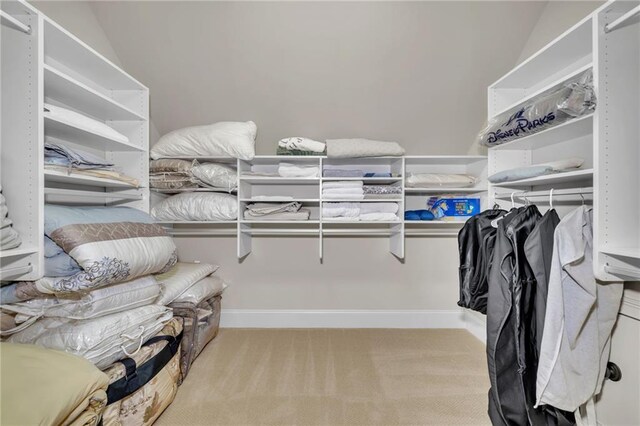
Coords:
pixel 170 174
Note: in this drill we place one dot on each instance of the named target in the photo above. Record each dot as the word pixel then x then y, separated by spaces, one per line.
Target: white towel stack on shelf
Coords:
pixel 343 190
pixel 290 170
pixel 9 237
pixel 360 211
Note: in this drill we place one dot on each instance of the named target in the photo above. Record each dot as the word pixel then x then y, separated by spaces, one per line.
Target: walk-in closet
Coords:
pixel 320 213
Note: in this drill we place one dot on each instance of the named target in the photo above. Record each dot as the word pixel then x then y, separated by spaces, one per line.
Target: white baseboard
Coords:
pixel 476 324
pixel 258 318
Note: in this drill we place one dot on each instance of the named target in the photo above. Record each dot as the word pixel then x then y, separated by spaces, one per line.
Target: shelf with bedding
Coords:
pixel 203 159
pixel 62 196
pixel 65 89
pixel 182 190
pixel 58 128
pixel 366 180
pixel 278 180
pixel 445 190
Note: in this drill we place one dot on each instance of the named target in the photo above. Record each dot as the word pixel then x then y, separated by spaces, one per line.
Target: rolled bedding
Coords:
pixel 81 306
pixel 103 340
pixel 110 244
pixel 355 148
pixel 46 387
pixel 197 206
pixel 575 98
pixel 435 180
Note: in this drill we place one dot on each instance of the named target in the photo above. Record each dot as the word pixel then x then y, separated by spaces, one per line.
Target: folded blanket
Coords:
pixel 429 180
pixel 263 209
pixel 346 191
pixel 536 170
pixel 382 189
pixel 342 184
pixel 46 387
pixel 99 173
pixel 378 175
pixel 352 148
pixel 327 172
pixel 302 214
pixel 297 170
pixel 378 216
pixel 271 197
pixel 61 155
pixel 284 151
pixel 302 144
pixel 333 210
pixel 343 196
pixel 378 208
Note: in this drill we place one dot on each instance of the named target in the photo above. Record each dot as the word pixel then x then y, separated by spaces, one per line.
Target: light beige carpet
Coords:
pixel 335 377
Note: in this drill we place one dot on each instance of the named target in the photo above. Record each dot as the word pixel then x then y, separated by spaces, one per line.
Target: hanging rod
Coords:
pixel 621 20
pixel 544 193
pixel 15 23
pixel 7 273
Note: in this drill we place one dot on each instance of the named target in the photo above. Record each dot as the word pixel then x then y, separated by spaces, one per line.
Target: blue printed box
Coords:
pixel 453 208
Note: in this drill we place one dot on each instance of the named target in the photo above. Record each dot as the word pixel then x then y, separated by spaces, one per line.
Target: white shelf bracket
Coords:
pixel 635 12
pixel 14 23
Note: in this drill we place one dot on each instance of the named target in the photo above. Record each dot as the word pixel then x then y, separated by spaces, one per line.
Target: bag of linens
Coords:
pixel 109 244
pixel 575 98
pixel 200 308
pixel 143 385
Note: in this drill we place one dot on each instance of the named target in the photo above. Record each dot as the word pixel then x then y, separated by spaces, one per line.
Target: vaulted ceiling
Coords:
pixel 415 72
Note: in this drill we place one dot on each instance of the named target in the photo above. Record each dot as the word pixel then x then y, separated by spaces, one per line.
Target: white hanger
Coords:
pixel 513 203
pixel 551 199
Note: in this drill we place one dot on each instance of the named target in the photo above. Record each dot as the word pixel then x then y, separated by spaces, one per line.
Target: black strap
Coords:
pixel 136 377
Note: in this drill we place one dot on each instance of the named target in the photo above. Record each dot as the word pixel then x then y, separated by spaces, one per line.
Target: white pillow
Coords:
pixel 427 180
pixel 102 340
pixel 224 139
pixel 203 289
pixel 180 279
pixel 197 206
pixel 103 301
pixel 565 164
pixel 216 175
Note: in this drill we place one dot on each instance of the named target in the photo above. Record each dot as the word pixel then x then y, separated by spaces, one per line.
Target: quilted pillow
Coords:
pixel 181 278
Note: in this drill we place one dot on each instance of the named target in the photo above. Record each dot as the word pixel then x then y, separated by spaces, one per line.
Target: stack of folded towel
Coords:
pixel 298 170
pixel 335 172
pixel 9 237
pixel 343 190
pixel 276 211
pixel 300 146
pixel 360 211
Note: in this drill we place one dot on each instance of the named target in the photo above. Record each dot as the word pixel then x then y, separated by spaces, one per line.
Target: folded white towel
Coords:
pixel 343 184
pixel 270 208
pixel 302 144
pixel 271 197
pixel 378 216
pixel 378 208
pixel 342 196
pixel 342 191
pixel 341 210
pixel 297 170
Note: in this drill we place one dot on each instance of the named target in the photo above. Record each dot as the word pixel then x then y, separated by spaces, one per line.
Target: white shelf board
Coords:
pixel 91 194
pixel 18 251
pixel 203 158
pixel 13 22
pixel 63 177
pixel 281 200
pixel 441 190
pixel 557 178
pixel 453 160
pixel 197 222
pixel 366 180
pixel 276 180
pixel 547 87
pixel 630 252
pixel 565 50
pixel 365 200
pixel 289 222
pixel 181 190
pixel 572 129
pixel 67 131
pixel 63 47
pixel 360 222
pixel 71 92
pixel 434 222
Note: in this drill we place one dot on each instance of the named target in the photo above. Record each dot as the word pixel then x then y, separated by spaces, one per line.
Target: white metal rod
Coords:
pixel 545 193
pixel 14 272
pixel 625 272
pixel 13 22
pixel 90 194
pixel 621 20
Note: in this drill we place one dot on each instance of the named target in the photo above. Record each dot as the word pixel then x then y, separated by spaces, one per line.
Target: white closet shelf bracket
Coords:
pixel 15 23
pixel 17 271
pixel 635 12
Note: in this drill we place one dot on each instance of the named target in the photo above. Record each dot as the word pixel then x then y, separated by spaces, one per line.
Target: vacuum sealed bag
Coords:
pixel 573 99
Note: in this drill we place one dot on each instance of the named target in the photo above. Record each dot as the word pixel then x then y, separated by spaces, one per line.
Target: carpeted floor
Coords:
pixel 335 377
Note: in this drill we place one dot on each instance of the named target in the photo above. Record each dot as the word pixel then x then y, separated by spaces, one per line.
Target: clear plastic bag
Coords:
pixel 574 99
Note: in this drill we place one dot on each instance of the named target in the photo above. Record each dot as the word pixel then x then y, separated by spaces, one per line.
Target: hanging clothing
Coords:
pixel 475 244
pixel 579 319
